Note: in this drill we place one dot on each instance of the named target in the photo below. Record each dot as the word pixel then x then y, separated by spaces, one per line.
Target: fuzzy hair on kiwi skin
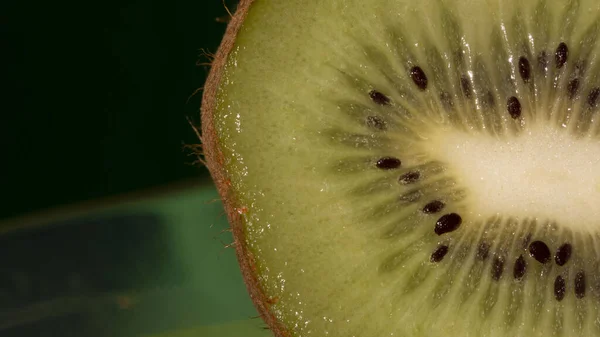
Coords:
pixel 214 162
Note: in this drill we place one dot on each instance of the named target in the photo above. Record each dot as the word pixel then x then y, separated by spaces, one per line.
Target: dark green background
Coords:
pixel 93 104
pixel 94 96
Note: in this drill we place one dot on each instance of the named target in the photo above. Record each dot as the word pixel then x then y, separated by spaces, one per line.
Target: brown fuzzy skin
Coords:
pixel 215 160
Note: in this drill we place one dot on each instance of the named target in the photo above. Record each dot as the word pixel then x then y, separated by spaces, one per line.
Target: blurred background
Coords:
pixel 107 225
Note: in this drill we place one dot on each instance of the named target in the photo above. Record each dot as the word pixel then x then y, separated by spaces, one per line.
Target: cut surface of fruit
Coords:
pixel 412 168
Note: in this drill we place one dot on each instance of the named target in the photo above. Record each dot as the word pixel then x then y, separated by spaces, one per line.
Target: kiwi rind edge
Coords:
pixel 214 160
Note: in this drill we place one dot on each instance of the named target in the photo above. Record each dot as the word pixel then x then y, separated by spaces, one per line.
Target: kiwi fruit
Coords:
pixel 412 168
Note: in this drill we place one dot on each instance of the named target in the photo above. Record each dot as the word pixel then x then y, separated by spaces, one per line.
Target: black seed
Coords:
pixel 483 251
pixel 497 268
pixel 543 61
pixel 561 55
pixel 520 268
pixel 573 88
pixel 465 84
pixel 439 253
pixel 376 122
pixel 379 98
pixel 524 69
pixel 593 97
pixel 433 207
pixel 410 177
pixel 388 163
pixel 418 76
pixel 446 99
pixel 514 107
pixel 539 251
pixel 447 223
pixel 580 284
pixel 563 253
pixel 559 288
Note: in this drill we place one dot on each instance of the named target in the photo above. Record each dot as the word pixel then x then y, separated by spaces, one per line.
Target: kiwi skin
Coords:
pixel 214 160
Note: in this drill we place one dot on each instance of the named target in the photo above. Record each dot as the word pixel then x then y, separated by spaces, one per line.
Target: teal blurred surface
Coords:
pixel 95 100
pixel 182 281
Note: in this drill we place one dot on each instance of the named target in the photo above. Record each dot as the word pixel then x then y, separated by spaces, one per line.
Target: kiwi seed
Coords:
pixel 539 251
pixel 524 69
pixel 418 76
pixel 447 223
pixel 379 98
pixel 520 268
pixel 433 207
pixel 439 253
pixel 465 85
pixel 561 55
pixel 388 163
pixel 559 288
pixel 514 107
pixel 563 254
pixel 497 268
pixel 593 97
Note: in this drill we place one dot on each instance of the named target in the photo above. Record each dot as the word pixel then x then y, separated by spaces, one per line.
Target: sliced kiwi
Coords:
pixel 412 168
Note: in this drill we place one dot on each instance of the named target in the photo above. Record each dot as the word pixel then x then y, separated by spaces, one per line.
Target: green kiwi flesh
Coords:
pixel 412 168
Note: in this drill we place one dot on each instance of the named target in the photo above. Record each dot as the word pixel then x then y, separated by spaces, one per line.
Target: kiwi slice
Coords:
pixel 412 168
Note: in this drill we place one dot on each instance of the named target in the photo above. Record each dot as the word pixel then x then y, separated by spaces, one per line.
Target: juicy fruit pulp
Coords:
pixel 403 168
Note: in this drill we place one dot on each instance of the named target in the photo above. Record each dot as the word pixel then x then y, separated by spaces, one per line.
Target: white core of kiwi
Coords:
pixel 544 173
